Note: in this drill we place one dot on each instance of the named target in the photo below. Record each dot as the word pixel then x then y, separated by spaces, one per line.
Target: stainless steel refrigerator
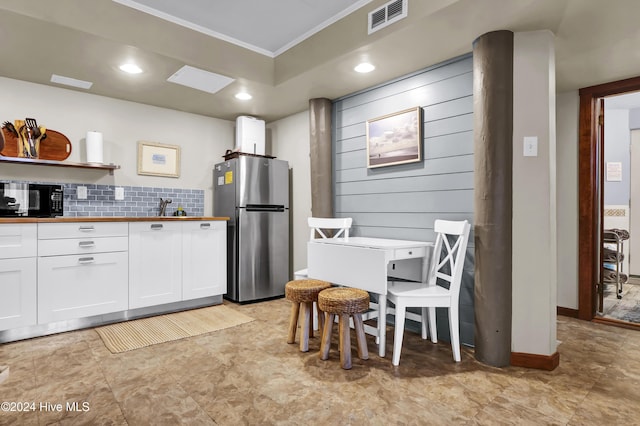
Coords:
pixel 254 193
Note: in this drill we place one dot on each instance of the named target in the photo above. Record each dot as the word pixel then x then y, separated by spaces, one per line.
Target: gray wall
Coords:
pixel 402 201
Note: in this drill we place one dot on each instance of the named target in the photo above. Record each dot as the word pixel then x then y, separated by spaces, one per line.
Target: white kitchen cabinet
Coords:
pixel 17 292
pixel 77 286
pixel 58 272
pixel 82 270
pixel 204 259
pixel 155 263
pixel 82 245
pixel 49 231
pixel 18 250
pixel 18 240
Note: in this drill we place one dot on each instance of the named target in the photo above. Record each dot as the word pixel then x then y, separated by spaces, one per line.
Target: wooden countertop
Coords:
pixel 67 219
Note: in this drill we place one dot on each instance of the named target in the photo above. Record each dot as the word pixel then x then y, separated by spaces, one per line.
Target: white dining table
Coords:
pixel 362 262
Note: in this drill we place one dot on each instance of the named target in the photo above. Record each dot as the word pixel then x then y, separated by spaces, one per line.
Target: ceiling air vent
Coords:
pixel 387 15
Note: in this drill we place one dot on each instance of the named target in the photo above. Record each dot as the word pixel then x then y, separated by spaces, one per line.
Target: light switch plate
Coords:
pixel 119 194
pixel 82 192
pixel 530 146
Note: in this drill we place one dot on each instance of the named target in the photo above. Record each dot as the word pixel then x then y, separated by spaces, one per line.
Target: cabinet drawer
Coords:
pixel 409 253
pixel 82 229
pixel 81 286
pixel 18 240
pixel 203 226
pixel 82 245
pixel 155 226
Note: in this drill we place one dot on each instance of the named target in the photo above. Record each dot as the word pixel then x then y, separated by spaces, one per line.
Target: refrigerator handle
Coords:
pixel 264 208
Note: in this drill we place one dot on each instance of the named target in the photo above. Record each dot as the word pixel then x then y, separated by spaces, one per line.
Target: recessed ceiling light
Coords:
pixel 243 96
pixel 68 81
pixel 364 67
pixel 131 68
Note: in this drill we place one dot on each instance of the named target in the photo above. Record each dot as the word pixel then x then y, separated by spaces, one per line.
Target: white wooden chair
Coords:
pixel 324 228
pixel 321 226
pixel 446 264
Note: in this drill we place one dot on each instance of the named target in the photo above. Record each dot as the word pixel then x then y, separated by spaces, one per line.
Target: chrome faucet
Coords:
pixel 163 205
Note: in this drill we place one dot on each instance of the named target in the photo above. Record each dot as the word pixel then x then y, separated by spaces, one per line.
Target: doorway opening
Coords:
pixel 595 239
pixel 620 298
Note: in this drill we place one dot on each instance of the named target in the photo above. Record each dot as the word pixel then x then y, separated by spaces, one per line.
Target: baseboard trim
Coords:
pixel 617 323
pixel 535 361
pixel 567 312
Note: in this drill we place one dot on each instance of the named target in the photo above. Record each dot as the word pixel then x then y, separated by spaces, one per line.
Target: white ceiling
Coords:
pixel 292 50
pixel 267 27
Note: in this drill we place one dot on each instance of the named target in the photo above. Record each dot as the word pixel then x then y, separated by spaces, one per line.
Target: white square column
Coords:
pixel 535 265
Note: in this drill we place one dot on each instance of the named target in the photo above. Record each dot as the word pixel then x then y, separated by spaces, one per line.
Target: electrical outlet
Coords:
pixel 119 194
pixel 81 192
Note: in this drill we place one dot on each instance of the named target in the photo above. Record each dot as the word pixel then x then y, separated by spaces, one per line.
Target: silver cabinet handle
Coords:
pixel 205 225
pixel 85 260
pixel 87 228
pixel 156 226
pixel 86 244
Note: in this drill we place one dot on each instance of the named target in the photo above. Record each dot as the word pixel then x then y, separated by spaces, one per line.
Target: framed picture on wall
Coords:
pixel 395 138
pixel 156 159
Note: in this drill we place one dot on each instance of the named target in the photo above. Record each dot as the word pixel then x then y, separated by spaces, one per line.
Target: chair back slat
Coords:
pixel 448 259
pixel 339 227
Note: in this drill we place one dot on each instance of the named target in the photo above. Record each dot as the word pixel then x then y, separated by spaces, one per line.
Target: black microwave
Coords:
pixel 30 200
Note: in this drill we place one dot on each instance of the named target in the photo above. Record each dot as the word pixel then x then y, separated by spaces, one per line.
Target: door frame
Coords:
pixel 589 168
pixel 634 155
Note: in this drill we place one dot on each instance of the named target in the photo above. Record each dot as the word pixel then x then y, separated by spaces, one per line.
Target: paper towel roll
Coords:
pixel 94 147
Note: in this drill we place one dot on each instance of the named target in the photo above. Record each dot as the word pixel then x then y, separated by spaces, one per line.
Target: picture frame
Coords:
pixel 394 138
pixel 157 159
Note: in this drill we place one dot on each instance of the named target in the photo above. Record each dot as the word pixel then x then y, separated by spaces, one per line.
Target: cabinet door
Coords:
pixel 18 293
pixel 79 286
pixel 18 240
pixel 204 259
pixel 155 263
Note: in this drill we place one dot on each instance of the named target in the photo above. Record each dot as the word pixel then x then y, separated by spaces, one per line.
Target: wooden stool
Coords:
pixel 345 302
pixel 303 293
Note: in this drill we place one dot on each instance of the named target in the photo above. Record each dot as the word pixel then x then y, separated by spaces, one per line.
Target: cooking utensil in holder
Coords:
pixel 29 137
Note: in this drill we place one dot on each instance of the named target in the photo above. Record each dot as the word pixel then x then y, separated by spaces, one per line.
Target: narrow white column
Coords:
pixel 534 195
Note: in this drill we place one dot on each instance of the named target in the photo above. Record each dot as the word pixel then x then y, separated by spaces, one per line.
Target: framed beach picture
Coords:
pixel 395 138
pixel 156 159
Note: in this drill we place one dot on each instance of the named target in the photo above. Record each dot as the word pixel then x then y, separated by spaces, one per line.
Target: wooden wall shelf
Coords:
pixel 36 162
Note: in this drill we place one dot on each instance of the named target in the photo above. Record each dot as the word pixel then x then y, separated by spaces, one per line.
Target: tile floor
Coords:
pixel 249 375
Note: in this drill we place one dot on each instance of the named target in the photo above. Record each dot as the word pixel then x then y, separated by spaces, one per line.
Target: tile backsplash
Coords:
pixel 139 201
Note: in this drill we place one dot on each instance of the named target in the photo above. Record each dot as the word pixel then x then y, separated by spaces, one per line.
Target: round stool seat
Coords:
pixel 343 300
pixel 304 290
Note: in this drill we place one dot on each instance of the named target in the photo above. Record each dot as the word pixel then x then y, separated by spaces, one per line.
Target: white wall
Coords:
pixel 290 141
pixel 203 140
pixel 567 112
pixel 634 118
pixel 617 142
pixel 534 196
